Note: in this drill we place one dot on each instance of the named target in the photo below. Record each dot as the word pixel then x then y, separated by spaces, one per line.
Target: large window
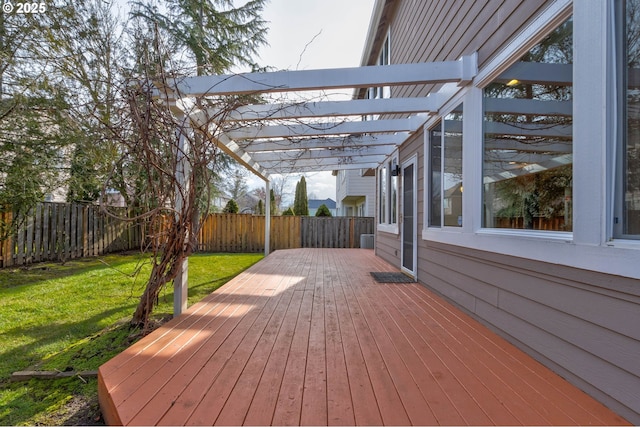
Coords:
pixel 627 213
pixel 527 154
pixel 445 175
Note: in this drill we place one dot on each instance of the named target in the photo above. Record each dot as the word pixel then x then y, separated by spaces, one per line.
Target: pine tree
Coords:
pixel 231 207
pixel 301 203
pixel 272 197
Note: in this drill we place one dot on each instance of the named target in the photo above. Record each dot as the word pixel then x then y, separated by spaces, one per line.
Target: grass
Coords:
pixel 74 317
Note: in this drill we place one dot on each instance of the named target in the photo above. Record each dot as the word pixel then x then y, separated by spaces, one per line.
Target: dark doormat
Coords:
pixel 391 277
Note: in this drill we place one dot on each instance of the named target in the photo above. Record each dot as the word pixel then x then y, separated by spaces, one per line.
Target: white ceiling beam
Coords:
pixel 252 146
pixel 352 153
pixel 322 168
pixel 431 103
pixel 285 81
pixel 320 129
pixel 328 164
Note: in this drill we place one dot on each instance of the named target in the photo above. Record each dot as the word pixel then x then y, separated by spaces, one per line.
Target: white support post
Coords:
pixel 267 222
pixel 181 282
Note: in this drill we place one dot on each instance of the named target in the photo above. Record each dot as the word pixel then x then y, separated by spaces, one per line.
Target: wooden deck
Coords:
pixel 307 337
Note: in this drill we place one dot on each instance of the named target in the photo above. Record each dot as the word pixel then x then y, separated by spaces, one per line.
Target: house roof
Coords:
pixel 315 203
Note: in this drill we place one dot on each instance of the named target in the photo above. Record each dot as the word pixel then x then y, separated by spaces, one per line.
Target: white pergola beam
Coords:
pixel 553 163
pixel 320 129
pixel 326 164
pixel 294 155
pixel 334 108
pixel 528 107
pixel 542 130
pixel 200 119
pixel 506 158
pixel 539 73
pixel 322 168
pixel 548 146
pixel 253 146
pixel 356 77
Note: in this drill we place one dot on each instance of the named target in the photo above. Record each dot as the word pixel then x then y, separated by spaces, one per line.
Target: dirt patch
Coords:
pixel 79 411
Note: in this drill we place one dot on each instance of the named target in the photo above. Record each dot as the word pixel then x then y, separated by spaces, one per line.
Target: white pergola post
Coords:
pixel 267 221
pixel 183 169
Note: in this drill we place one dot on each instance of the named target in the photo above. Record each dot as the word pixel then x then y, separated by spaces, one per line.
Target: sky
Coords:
pixel 314 34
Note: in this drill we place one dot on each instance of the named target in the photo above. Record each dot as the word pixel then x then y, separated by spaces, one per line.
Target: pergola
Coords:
pixel 293 137
pixel 328 135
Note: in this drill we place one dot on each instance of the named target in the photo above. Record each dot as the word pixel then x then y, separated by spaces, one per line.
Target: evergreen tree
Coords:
pixel 273 206
pixel 215 34
pixel 301 203
pixel 231 207
pixel 288 212
pixel 323 210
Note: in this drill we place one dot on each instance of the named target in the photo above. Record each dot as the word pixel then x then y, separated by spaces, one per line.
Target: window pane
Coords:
pixel 393 191
pixel 630 191
pixel 528 162
pixel 383 195
pixel 453 168
pixel 435 182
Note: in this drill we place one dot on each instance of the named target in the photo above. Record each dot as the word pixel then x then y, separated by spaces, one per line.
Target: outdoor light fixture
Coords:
pixel 513 82
pixel 395 171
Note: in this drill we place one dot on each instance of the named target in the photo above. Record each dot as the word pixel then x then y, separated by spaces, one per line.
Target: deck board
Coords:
pixel 306 337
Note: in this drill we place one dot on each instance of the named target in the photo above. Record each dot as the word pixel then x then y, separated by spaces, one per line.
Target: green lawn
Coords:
pixel 74 317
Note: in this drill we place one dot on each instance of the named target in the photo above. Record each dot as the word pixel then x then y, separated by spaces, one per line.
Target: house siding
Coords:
pixel 582 324
pixel 424 31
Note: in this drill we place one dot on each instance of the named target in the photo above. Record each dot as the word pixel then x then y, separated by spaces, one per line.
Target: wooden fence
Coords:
pixel 63 231
pixel 245 233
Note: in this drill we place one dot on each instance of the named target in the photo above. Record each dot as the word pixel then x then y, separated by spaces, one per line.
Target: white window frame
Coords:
pixel 590 245
pixel 427 169
pixel 387 225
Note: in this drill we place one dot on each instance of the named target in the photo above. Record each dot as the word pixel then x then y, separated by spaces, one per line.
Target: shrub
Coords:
pixel 323 210
pixel 231 207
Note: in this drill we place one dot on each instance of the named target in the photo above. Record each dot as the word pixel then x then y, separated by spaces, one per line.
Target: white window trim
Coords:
pixel 461 98
pixel 413 160
pixel 590 245
pixel 388 227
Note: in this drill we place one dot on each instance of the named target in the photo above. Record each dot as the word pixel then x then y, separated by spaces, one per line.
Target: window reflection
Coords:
pixel 445 178
pixel 527 161
pixel 435 183
pixel 630 191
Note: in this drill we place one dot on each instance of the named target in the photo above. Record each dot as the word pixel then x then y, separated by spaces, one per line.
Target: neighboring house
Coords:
pixel 314 204
pixel 356 192
pixel 518 200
